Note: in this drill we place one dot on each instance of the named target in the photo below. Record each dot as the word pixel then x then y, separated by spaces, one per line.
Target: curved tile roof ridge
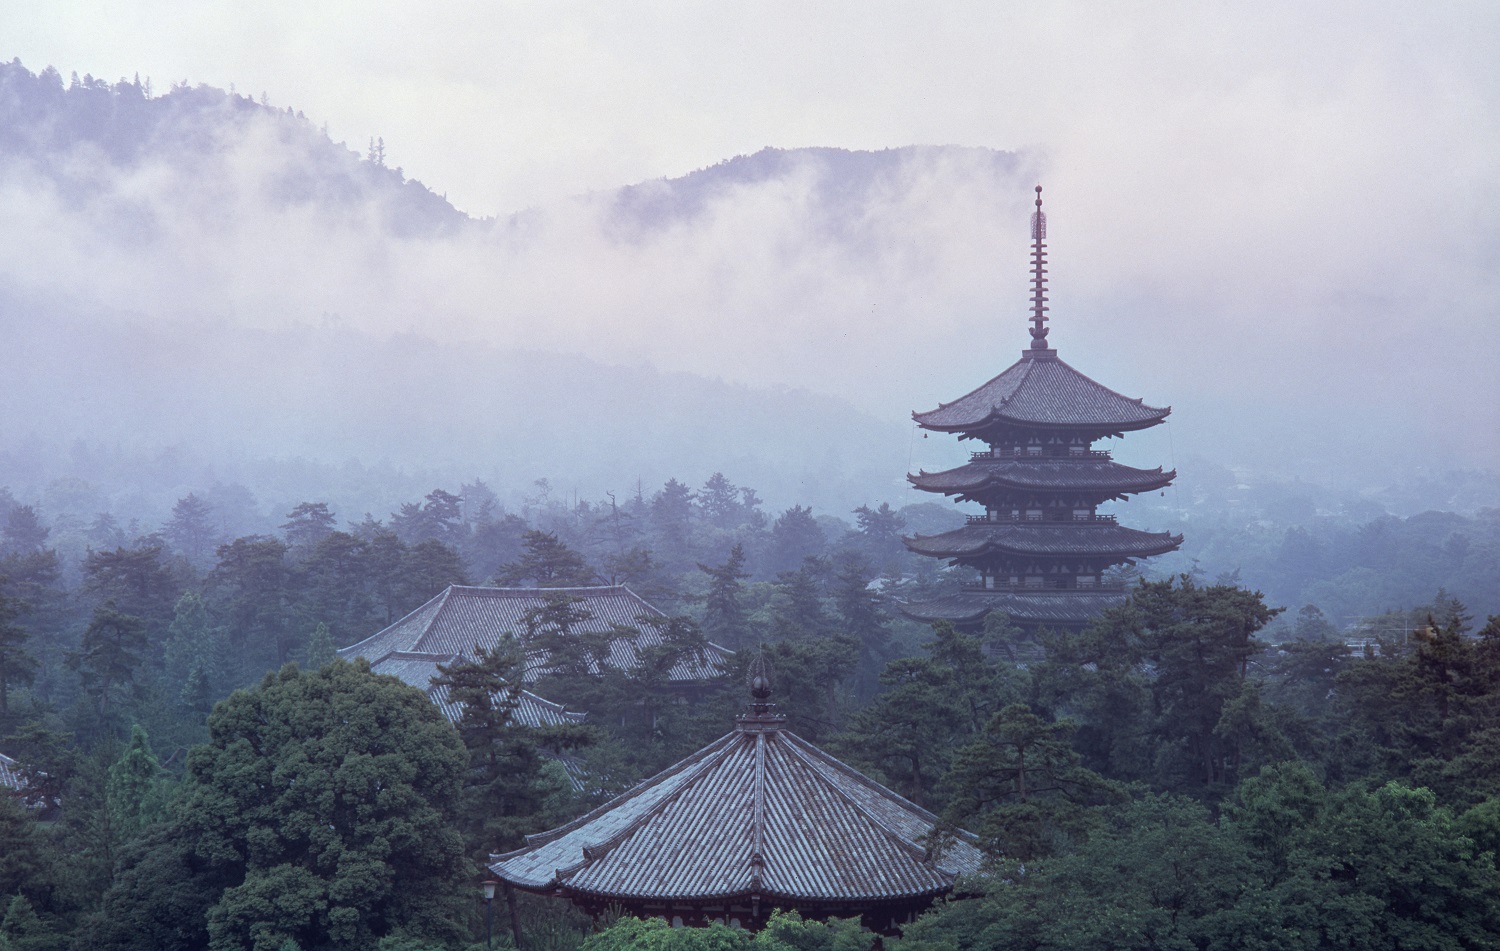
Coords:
pixel 593 852
pixel 911 848
pixel 1064 396
pixel 552 835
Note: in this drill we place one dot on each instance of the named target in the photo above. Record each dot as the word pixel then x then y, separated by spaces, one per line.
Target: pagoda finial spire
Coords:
pixel 1038 275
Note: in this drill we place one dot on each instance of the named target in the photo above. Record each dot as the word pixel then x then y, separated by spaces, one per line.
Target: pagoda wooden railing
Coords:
pixel 1049 456
pixel 1035 519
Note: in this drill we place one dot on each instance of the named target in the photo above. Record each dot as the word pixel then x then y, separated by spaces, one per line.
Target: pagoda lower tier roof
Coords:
pixel 1101 476
pixel 1040 390
pixel 1046 539
pixel 759 813
pixel 1060 608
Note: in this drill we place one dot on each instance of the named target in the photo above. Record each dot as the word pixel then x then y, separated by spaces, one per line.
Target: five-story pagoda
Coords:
pixel 1041 548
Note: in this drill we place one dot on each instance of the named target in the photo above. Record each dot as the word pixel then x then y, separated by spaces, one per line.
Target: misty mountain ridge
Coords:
pixel 211 279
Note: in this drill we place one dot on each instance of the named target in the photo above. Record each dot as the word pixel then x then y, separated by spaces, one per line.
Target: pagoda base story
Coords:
pixel 1070 609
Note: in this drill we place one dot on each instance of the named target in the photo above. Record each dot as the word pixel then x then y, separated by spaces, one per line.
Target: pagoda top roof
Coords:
pixel 1046 474
pixel 462 618
pixel 1061 608
pixel 1040 390
pixel 759 813
pixel 418 669
pixel 1048 539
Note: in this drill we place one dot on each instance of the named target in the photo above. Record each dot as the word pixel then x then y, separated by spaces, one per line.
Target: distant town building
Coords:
pixel 757 820
pixel 1040 548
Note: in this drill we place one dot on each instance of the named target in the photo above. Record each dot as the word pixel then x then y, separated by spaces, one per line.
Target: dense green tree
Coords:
pixel 307 525
pixel 438 518
pixel 23 532
pixel 191 530
pixel 720 502
pixel 137 793
pixel 724 617
pixel 330 800
pixel 252 585
pixel 320 649
pixel 1150 681
pixel 548 563
pixel 932 705
pixel 504 787
pixel 1158 874
pixel 17 666
pixel 1020 786
pixel 108 656
pixel 795 537
pixel 137 580
pixel 1428 710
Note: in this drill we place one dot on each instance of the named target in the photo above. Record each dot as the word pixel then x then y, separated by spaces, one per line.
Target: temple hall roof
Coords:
pixel 1047 475
pixel 1027 608
pixel 1050 539
pixel 1042 390
pixel 462 617
pixel 758 814
pixel 418 669
pixel 10 774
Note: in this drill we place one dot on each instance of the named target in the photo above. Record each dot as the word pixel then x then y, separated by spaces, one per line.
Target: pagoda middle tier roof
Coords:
pixel 1047 539
pixel 1052 475
pixel 758 813
pixel 1041 390
pixel 464 618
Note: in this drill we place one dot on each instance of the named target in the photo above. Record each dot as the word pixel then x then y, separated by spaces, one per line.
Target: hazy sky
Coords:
pixel 1278 214
pixel 503 105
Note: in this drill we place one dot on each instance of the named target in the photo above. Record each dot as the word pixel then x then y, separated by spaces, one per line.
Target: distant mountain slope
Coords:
pixel 83 135
pixel 844 182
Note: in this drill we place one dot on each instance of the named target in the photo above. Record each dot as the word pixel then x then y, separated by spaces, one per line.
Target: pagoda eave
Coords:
pixel 1103 478
pixel 1056 540
pixel 1058 608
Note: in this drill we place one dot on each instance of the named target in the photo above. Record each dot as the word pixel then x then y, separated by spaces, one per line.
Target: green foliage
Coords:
pixel 783 931
pixel 330 800
pixel 108 656
pixel 137 793
pixel 320 649
pixel 932 706
pixel 547 562
pixel 1020 785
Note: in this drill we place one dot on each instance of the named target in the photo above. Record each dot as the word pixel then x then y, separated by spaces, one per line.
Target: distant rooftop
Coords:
pixel 463 618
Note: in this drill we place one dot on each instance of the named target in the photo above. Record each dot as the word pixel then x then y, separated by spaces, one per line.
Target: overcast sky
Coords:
pixel 503 105
pixel 1276 190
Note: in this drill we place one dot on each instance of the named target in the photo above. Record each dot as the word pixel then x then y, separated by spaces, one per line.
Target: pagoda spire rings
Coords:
pixel 1039 275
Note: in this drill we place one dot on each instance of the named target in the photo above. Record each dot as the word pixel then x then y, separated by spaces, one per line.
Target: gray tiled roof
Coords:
pixel 418 669
pixel 1049 539
pixel 10 774
pixel 1083 475
pixel 462 617
pixel 1039 607
pixel 758 812
pixel 1041 390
